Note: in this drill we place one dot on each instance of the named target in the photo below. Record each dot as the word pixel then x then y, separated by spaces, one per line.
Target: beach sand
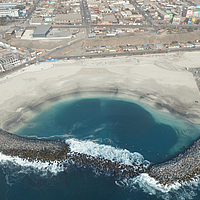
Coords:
pixel 161 81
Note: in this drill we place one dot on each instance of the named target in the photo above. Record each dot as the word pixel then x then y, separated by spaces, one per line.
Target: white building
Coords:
pixel 9 12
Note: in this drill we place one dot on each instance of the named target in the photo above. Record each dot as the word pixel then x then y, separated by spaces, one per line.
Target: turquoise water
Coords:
pixel 107 127
pixel 113 122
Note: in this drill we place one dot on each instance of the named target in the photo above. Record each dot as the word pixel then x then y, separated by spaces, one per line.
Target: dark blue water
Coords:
pixel 108 122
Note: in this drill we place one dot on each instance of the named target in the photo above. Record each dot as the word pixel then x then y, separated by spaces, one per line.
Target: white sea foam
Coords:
pixel 149 185
pixel 35 165
pixel 107 151
pixel 142 182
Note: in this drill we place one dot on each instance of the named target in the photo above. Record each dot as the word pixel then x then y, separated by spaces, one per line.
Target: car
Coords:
pixel 72 57
pixel 83 57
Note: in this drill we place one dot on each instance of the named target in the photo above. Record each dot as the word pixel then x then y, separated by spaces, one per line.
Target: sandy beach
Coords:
pixel 161 81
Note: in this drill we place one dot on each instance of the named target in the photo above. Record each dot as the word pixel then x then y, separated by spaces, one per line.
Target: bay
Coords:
pixel 97 123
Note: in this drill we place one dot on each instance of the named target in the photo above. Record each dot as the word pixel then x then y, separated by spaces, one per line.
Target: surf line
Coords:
pixel 182 168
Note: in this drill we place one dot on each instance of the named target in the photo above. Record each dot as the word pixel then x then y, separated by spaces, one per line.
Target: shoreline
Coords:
pixel 169 90
pixel 135 78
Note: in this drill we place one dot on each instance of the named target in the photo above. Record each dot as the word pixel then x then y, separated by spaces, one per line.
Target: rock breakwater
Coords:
pixel 32 149
pixel 182 168
pixel 48 150
pixel 105 166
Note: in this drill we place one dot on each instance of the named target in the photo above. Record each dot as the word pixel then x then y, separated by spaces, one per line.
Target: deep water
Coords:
pixel 113 128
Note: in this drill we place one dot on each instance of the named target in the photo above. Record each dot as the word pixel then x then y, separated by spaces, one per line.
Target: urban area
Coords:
pixel 33 31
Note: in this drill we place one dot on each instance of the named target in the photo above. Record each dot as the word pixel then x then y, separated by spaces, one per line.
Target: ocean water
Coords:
pixel 107 127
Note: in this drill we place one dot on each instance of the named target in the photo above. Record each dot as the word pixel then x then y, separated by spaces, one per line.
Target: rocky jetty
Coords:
pixel 105 166
pixel 48 150
pixel 32 149
pixel 182 168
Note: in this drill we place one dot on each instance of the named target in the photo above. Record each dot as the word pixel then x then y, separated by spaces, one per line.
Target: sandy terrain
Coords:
pixel 147 37
pixel 156 79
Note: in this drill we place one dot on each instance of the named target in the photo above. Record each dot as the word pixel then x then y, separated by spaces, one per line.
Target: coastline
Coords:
pixel 167 88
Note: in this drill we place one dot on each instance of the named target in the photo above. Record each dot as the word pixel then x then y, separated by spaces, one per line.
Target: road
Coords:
pixel 85 16
pixel 144 52
pixel 100 55
pixel 133 2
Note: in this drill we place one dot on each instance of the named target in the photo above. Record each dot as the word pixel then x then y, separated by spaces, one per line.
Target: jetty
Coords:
pixel 32 149
pixel 51 150
pixel 182 168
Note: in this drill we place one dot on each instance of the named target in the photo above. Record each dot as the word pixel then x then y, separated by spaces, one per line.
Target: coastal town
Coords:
pixel 41 31
pixel 138 51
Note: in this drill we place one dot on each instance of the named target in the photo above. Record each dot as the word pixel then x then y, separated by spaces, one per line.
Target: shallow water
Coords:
pixel 105 127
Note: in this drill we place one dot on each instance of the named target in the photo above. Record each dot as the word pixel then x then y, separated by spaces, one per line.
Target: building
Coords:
pixel 91 35
pixel 19 33
pixel 109 19
pixel 8 60
pixel 10 31
pixel 9 12
pixel 41 31
pixel 7 5
pixel 195 13
pixel 36 21
pixel 163 15
pixel 158 46
pixel 68 19
pixel 176 21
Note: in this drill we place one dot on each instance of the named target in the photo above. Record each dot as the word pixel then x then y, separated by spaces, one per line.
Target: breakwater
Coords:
pixel 183 167
pixel 105 166
pixel 32 149
pixel 50 150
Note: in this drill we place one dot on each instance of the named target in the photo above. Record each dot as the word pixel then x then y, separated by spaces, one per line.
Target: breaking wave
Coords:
pixel 37 166
pixel 108 152
pixel 142 182
pixel 150 186
pixel 13 166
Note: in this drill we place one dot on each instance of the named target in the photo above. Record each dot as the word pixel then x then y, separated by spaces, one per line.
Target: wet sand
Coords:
pixel 161 81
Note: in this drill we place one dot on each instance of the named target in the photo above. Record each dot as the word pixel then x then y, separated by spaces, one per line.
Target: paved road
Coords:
pixel 142 12
pixel 118 26
pixel 100 55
